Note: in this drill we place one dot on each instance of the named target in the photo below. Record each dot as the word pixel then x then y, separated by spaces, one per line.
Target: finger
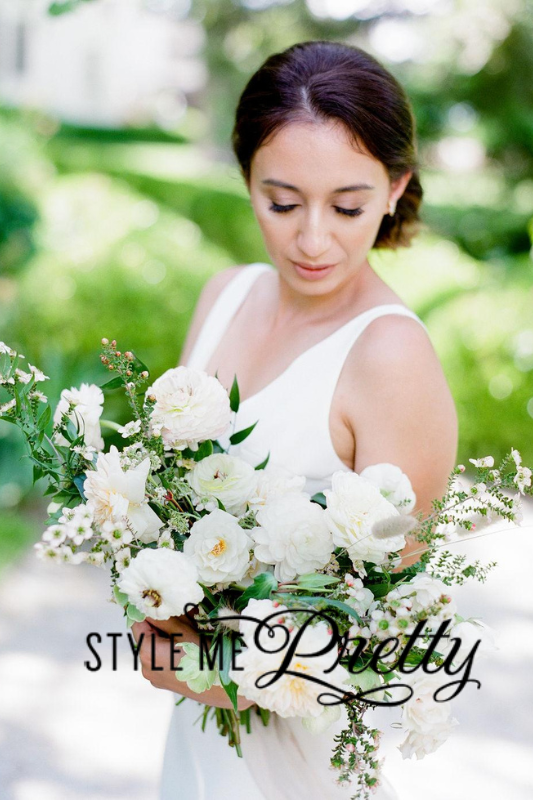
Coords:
pixel 140 627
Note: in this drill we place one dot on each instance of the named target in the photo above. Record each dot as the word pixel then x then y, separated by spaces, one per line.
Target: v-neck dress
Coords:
pixel 282 761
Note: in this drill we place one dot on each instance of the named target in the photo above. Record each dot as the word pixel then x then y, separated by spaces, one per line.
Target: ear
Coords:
pixel 399 186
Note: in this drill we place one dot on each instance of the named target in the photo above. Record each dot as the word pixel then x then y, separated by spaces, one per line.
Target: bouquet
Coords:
pixel 301 601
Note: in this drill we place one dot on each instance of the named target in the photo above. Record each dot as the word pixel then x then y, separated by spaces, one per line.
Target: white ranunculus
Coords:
pixel 274 480
pixel 422 714
pixel 88 403
pixel 219 547
pixel 427 591
pixel 353 506
pixel 289 695
pixel 469 631
pixel 190 407
pixel 160 582
pixel 114 493
pixel 226 478
pixel 292 535
pixel 393 484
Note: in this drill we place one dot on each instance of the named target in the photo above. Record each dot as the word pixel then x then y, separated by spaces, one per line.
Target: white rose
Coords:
pixel 290 695
pixel 353 506
pixel 393 484
pixel 274 480
pixel 292 535
pixel 88 403
pixel 160 582
pixel 113 493
pixel 219 547
pixel 226 478
pixel 190 407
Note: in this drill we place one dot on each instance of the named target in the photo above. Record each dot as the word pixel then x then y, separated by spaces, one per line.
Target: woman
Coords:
pixel 338 371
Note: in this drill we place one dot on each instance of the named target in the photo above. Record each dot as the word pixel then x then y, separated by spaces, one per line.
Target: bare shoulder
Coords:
pixel 398 404
pixel 210 291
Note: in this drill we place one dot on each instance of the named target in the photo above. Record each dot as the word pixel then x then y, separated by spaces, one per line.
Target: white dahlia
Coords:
pixel 219 548
pixel 226 478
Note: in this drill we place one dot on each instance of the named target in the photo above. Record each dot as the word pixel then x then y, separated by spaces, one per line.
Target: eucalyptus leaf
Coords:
pixel 134 613
pixel 120 597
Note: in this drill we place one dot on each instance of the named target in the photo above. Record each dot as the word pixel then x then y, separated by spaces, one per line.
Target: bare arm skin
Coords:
pixel 401 410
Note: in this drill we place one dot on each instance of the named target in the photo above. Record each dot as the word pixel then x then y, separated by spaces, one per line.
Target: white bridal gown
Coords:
pixel 282 761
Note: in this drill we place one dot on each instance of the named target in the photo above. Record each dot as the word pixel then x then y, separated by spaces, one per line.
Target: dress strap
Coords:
pixel 222 311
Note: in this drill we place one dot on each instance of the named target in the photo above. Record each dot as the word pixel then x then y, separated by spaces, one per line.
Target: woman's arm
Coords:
pixel 401 410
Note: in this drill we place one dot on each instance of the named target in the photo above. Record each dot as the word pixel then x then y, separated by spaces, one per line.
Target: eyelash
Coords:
pixel 348 212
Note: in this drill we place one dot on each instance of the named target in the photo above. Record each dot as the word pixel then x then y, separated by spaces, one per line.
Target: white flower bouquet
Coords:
pixel 306 592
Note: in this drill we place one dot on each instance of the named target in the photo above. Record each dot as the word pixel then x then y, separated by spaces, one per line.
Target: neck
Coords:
pixel 294 306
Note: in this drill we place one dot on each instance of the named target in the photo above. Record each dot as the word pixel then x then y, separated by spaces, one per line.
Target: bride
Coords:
pixel 337 370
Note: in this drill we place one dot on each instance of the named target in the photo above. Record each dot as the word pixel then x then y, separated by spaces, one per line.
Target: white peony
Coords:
pixel 289 695
pixel 353 506
pixel 226 478
pixel 219 547
pixel 114 493
pixel 292 535
pixel 393 484
pixel 274 480
pixel 427 721
pixel 88 403
pixel 160 582
pixel 190 407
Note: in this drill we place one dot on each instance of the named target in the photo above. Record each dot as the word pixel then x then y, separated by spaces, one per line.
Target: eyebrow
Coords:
pixel 356 187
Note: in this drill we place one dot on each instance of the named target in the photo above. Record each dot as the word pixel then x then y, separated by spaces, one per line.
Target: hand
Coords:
pixel 155 651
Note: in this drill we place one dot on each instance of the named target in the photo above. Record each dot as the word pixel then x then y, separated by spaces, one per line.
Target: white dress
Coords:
pixel 281 761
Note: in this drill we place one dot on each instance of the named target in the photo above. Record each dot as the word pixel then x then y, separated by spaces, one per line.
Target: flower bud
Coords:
pixel 114 343
pixel 105 341
pixel 129 355
pixel 144 374
pixel 118 353
pixel 111 366
pixel 104 360
pixel 128 372
pixel 152 398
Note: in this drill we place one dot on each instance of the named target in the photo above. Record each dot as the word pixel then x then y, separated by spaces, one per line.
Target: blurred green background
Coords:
pixel 113 230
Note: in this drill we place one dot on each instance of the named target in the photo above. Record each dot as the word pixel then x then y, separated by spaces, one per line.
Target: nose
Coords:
pixel 314 237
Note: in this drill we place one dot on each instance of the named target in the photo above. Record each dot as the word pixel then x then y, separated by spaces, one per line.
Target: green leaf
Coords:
pixel 263 464
pixel 240 436
pixel 79 480
pixel 37 473
pixel 45 418
pixel 262 587
pixel 326 601
pixel 10 419
pixel 114 383
pixel 319 498
pixel 120 597
pixel 134 613
pixel 315 582
pixel 204 449
pixel 234 395
pixel 379 589
pixel 229 686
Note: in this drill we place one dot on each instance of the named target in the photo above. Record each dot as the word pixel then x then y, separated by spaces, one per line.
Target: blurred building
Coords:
pixel 109 62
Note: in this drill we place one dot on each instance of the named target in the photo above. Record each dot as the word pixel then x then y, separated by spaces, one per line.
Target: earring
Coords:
pixel 392 208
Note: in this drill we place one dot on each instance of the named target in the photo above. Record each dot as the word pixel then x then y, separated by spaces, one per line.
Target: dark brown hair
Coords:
pixel 321 80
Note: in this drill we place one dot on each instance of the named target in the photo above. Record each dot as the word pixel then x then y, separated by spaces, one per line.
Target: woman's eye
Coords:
pixel 349 212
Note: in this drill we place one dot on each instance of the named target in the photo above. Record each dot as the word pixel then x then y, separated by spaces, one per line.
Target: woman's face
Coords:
pixel 306 221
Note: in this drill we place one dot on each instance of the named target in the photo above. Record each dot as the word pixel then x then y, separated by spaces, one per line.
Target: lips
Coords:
pixel 313 273
pixel 312 266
